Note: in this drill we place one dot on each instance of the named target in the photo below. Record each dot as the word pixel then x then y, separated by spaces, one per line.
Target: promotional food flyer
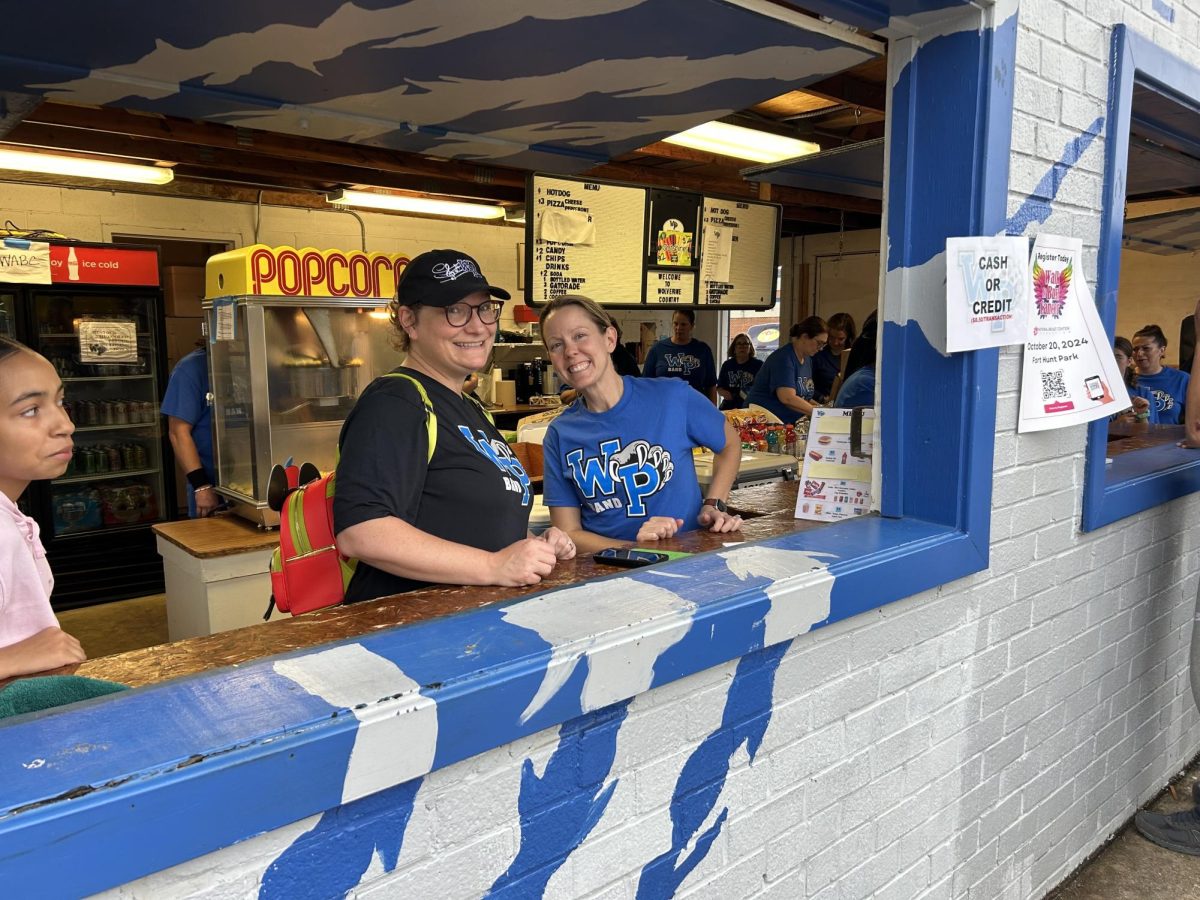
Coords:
pixel 835 482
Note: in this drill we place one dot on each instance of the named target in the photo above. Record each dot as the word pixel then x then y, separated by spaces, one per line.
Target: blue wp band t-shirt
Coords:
pixel 622 466
pixel 782 369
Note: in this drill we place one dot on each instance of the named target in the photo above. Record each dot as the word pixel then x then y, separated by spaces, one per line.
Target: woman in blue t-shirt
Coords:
pixel 1167 386
pixel 784 385
pixel 737 373
pixel 618 461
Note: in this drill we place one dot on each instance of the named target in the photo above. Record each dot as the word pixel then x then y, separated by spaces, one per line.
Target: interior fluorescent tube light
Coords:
pixel 742 143
pixel 53 164
pixel 456 208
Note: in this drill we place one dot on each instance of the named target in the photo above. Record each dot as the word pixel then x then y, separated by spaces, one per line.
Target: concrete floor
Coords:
pixel 1132 868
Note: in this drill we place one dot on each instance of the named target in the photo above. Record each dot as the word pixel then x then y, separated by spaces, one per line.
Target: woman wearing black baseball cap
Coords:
pixel 445 504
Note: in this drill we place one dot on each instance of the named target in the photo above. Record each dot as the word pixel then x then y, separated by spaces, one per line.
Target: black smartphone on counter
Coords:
pixel 628 558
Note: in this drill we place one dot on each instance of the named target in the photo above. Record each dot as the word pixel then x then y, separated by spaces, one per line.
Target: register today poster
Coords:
pixel 1069 375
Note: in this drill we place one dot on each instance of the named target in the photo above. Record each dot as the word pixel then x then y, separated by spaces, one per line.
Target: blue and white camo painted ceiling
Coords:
pixel 549 84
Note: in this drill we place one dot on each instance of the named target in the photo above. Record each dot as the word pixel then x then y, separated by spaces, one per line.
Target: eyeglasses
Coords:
pixel 459 314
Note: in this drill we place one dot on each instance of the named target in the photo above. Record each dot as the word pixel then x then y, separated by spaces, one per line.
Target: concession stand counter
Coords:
pixel 295 336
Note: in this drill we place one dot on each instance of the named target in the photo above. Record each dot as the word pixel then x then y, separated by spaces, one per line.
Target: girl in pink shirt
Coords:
pixel 35 442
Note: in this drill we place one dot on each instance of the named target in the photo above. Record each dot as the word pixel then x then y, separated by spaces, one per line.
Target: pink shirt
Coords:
pixel 25 578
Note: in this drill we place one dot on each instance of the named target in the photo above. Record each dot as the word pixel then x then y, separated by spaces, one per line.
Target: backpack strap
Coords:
pixel 430 415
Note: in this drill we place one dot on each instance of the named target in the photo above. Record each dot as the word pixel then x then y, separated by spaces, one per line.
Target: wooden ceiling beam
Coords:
pixel 252 166
pixel 737 188
pixel 218 136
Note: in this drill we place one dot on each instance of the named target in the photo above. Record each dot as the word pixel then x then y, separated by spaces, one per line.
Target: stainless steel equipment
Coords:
pixel 285 373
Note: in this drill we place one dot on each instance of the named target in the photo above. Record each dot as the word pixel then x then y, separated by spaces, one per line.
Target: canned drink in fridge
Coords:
pixel 120 412
pixel 129 456
pixel 114 458
pixel 90 412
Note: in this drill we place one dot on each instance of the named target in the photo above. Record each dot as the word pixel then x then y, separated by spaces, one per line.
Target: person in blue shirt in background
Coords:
pixel 784 385
pixel 1167 386
pixel 189 426
pixel 618 461
pixel 737 373
pixel 859 387
pixel 827 363
pixel 1144 409
pixel 682 356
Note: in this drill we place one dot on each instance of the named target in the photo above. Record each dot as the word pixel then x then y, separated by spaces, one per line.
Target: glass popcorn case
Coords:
pixel 285 374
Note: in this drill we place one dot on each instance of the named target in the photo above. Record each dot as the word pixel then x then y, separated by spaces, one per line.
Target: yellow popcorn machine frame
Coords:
pixel 294 338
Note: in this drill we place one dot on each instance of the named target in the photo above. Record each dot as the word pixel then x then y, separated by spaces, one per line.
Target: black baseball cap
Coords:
pixel 442 278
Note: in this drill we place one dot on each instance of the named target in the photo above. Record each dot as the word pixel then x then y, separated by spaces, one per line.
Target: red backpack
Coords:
pixel 307 570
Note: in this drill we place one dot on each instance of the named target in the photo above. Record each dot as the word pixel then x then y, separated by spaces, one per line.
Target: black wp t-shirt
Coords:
pixel 473 491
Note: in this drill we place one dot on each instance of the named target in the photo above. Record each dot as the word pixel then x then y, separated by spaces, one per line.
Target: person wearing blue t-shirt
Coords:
pixel 682 356
pixel 1142 405
pixel 784 385
pixel 827 362
pixel 618 461
pixel 1167 386
pixel 859 387
pixel 737 373
pixel 189 426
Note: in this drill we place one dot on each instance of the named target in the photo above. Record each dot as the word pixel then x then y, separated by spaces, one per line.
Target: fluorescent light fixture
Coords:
pixel 53 164
pixel 742 143
pixel 398 203
pixel 515 216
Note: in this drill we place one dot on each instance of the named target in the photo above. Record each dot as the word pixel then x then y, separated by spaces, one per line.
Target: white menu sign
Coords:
pixel 587 239
pixel 987 292
pixel 834 483
pixel 1069 375
pixel 738 244
pixel 670 287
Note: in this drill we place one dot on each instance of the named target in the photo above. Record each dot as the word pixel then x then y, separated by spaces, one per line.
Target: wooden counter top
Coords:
pixel 770 505
pixel 1124 437
pixel 222 535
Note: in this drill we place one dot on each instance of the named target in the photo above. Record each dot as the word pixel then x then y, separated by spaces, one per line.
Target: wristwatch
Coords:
pixel 714 502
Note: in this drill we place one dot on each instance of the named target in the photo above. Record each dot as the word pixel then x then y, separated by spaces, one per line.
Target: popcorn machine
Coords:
pixel 286 368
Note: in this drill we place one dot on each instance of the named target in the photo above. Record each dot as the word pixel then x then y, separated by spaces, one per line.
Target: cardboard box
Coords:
pixel 183 290
pixel 182 334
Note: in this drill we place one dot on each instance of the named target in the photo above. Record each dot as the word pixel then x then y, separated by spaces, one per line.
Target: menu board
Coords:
pixel 596 238
pixel 587 239
pixel 738 267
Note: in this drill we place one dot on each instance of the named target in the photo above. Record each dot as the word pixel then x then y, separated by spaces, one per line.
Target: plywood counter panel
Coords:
pixel 199 654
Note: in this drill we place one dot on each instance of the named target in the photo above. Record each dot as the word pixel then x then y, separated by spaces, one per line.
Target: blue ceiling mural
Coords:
pixel 539 84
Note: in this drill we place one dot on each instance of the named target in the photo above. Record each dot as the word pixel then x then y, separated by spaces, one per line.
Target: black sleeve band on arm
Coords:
pixel 198 478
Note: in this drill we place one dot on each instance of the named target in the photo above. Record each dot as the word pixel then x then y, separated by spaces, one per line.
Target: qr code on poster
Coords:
pixel 1053 387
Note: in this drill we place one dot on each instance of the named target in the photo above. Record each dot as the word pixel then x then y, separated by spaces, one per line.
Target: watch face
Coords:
pixel 719 504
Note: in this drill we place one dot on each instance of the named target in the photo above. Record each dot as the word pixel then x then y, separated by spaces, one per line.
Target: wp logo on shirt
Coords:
pixel 515 478
pixel 621 477
pixel 681 362
pixel 1163 400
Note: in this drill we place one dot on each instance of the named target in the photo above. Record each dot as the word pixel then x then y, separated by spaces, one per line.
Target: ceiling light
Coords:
pixel 53 164
pixel 742 143
pixel 515 216
pixel 398 203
